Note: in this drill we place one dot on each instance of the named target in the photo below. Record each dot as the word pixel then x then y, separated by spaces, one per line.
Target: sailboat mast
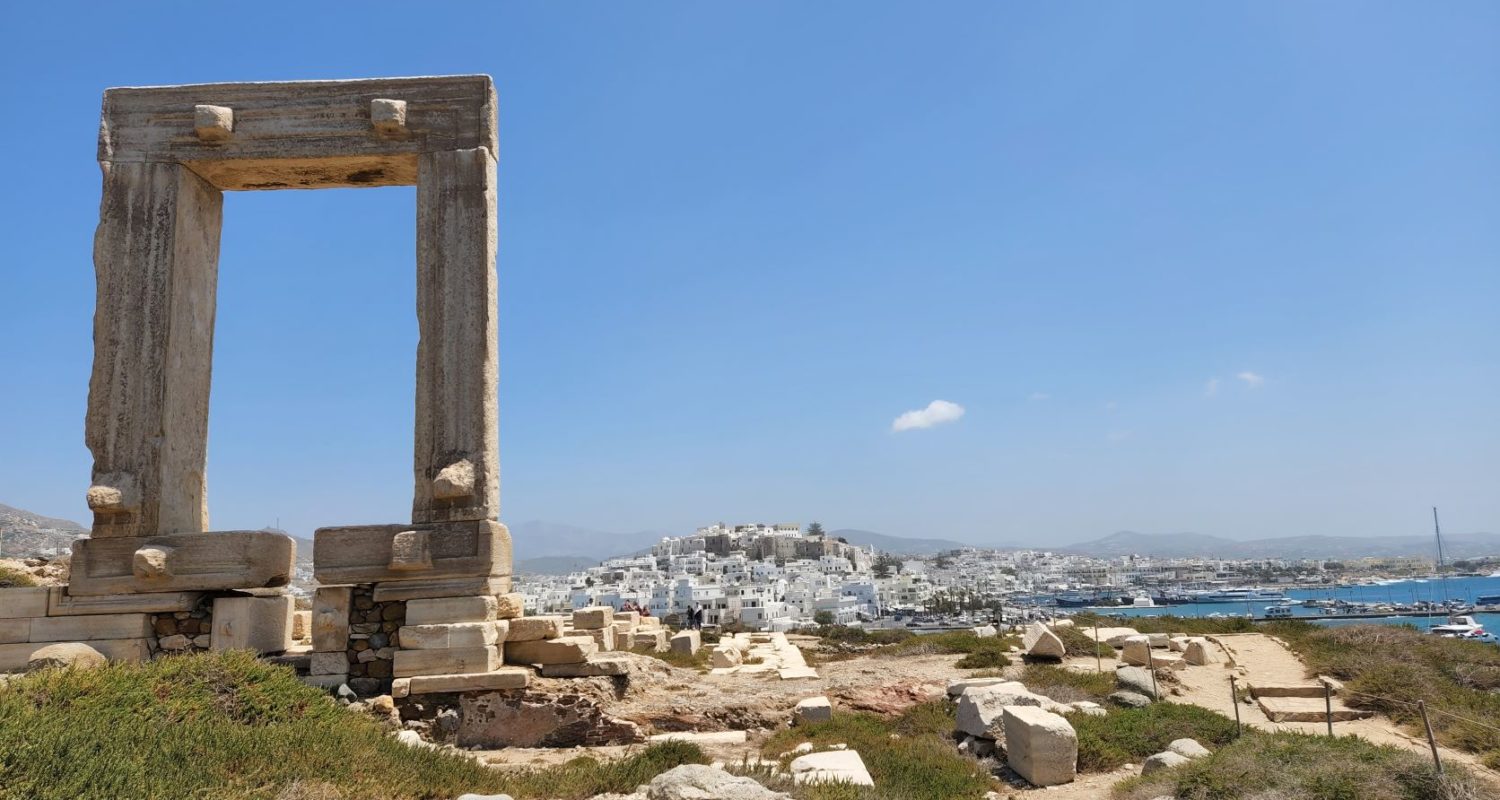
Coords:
pixel 1437 532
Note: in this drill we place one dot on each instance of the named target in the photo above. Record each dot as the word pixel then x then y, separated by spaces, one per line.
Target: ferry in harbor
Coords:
pixel 1238 596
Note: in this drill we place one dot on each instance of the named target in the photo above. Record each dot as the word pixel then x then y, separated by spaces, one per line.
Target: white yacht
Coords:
pixel 1461 627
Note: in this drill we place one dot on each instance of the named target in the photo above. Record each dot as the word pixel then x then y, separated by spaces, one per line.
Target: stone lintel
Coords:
pixel 186 562
pixel 62 604
pixel 389 591
pixel 321 133
pixel 363 553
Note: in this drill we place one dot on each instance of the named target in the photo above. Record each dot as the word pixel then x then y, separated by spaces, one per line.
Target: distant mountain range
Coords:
pixel 898 545
pixel 1197 545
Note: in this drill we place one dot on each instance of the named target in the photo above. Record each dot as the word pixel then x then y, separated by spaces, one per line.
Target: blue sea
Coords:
pixel 1406 591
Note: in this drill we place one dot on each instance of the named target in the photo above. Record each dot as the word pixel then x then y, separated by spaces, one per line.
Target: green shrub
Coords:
pixel 911 757
pixel 230 727
pixel 1130 734
pixel 1066 685
pixel 978 653
pixel 1305 767
pixel 1077 642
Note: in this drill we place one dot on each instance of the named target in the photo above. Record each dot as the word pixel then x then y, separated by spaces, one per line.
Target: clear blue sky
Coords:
pixel 739 239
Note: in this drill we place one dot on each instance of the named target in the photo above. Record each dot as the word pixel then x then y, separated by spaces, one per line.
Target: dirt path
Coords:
pixel 1265 660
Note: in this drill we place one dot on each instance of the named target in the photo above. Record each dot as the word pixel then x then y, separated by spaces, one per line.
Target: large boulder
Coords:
pixel 834 766
pixel 66 654
pixel 1136 679
pixel 699 782
pixel 1039 642
pixel 686 642
pixel 980 708
pixel 1040 746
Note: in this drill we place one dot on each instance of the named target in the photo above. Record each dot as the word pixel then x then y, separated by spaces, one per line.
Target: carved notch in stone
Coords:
pixel 213 123
pixel 455 481
pixel 388 117
pixel 410 551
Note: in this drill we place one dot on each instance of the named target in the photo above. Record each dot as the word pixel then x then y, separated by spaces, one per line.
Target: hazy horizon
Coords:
pixel 1008 274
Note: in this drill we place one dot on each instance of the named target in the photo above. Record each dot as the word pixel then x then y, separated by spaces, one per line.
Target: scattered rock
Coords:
pixel 1089 708
pixel 1187 748
pixel 1136 679
pixel 1130 699
pixel 1137 650
pixel 698 782
pixel 980 709
pixel 1162 760
pixel 813 709
pixel 1037 641
pixel 1199 651
pixel 985 631
pixel 66 654
pixel 834 766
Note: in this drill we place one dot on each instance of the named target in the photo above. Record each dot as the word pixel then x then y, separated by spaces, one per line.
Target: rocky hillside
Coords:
pixel 25 535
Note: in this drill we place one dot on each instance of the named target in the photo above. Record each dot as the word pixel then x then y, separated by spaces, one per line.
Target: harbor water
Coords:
pixel 1387 592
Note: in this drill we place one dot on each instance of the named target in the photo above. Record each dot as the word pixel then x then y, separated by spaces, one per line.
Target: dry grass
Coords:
pixel 1288 766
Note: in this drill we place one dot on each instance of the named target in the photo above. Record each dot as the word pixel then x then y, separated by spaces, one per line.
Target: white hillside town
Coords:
pixel 779 577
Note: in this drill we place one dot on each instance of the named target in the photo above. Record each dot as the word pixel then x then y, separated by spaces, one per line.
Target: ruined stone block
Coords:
pixel 23 601
pixel 655 640
pixel 528 629
pixel 301 625
pixel 181 563
pixel 388 117
pixel 594 667
pixel 17 629
pixel 365 553
pixel 593 617
pixel 686 642
pixel 453 635
pixel 452 661
pixel 444 610
pixel 1040 746
pixel 603 637
pixel 566 650
pixel 812 709
pixel 82 629
pixel 499 679
pixel 328 664
pixel 261 624
pixel 330 618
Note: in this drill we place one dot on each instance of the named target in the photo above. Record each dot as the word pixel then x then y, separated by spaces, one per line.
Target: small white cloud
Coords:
pixel 1251 379
pixel 1211 388
pixel 1037 397
pixel 1118 436
pixel 936 413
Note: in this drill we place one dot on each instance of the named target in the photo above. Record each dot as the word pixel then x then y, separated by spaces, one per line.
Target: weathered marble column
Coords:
pixel 457 461
pixel 156 256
